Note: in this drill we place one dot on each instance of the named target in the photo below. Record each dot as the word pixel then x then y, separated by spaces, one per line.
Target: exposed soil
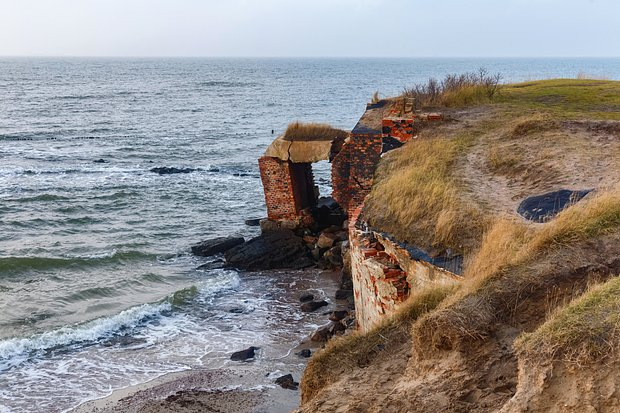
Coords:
pixel 572 155
pixel 448 369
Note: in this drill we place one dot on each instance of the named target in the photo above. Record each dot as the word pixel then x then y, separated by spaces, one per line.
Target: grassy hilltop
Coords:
pixel 536 298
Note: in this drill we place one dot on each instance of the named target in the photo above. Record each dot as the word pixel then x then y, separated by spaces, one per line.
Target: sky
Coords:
pixel 312 28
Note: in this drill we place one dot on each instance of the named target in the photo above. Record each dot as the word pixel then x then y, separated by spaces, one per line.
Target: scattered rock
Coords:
pixel 100 161
pixel 342 235
pixel 287 382
pixel 305 353
pixel 337 328
pixel 253 222
pixel 168 170
pixel 306 297
pixel 338 315
pixel 270 250
pixel 321 335
pixel 311 306
pixel 123 341
pixel 213 265
pixel 343 294
pixel 334 256
pixel 309 239
pixel 543 207
pixel 326 240
pixel 328 212
pixel 216 246
pixel 316 253
pixel 267 225
pixel 244 355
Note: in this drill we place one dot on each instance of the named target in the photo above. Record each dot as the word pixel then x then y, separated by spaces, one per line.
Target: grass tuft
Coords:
pixel 415 196
pixel 298 131
pixel 586 330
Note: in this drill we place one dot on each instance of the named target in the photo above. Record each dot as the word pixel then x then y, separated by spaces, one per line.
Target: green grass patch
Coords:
pixel 565 98
pixel 585 330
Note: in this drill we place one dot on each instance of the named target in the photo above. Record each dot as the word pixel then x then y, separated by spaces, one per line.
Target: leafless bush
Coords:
pixel 455 89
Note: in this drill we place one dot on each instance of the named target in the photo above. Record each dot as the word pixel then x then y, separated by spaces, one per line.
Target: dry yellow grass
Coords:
pixel 587 329
pixel 416 198
pixel 515 261
pixel 359 350
pixel 510 242
pixel 298 131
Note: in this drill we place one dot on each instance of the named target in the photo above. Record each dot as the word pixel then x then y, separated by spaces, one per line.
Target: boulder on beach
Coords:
pixel 216 246
pixel 305 353
pixel 243 355
pixel 271 250
pixel 338 314
pixel 306 296
pixel 287 382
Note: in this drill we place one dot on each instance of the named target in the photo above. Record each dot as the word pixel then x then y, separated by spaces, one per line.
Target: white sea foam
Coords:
pixel 16 350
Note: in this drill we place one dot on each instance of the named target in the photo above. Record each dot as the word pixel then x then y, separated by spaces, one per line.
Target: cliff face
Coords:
pixel 448 276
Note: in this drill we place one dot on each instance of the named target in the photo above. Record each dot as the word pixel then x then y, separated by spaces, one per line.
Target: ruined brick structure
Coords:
pixel 384 272
pixel 289 187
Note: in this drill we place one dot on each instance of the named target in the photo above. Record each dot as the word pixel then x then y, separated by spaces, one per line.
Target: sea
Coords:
pixel 98 288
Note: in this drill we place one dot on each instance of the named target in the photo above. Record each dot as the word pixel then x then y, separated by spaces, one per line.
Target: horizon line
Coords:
pixel 300 57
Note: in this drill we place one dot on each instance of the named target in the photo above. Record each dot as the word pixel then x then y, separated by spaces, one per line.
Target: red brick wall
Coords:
pixel 402 129
pixel 353 169
pixel 278 186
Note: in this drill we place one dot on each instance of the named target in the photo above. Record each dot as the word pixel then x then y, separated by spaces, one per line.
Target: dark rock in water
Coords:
pixel 100 161
pixel 123 341
pixel 311 306
pixel 213 265
pixel 287 382
pixel 305 353
pixel 343 294
pixel 270 250
pixel 253 222
pixel 243 355
pixel 543 207
pixel 306 297
pixel 338 315
pixel 167 170
pixel 216 246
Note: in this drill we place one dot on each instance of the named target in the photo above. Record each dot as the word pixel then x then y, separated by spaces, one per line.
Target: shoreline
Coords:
pixel 247 386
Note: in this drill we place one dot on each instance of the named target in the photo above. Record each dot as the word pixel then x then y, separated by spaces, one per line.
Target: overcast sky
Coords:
pixel 378 28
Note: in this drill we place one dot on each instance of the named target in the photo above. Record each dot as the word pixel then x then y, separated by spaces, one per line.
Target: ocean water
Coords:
pixel 98 289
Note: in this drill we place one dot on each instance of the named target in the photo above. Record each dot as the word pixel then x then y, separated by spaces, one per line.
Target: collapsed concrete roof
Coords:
pixel 305 143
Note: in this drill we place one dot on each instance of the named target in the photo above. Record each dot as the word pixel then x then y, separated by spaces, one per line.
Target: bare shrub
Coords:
pixel 456 90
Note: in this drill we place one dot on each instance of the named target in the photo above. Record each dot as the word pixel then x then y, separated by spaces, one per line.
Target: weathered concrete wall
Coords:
pixel 384 276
